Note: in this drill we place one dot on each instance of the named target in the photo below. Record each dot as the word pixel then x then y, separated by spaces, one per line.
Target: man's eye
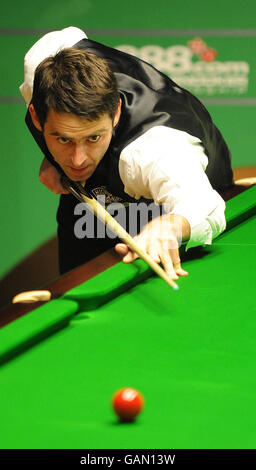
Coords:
pixel 63 140
pixel 94 138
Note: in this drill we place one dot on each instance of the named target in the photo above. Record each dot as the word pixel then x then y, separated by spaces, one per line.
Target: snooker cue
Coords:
pixel 99 211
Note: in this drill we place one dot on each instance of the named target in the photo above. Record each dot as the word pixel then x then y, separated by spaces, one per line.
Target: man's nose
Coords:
pixel 79 156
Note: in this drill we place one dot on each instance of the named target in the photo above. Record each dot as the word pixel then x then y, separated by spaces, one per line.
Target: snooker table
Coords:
pixel 191 353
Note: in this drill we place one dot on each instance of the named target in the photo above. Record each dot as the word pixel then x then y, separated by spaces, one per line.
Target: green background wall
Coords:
pixel 28 209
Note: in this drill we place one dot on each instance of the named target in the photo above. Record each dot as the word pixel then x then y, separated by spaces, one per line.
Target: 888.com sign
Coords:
pixel 195 66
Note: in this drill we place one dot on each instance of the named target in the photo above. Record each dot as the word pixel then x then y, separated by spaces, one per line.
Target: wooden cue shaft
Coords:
pixel 106 218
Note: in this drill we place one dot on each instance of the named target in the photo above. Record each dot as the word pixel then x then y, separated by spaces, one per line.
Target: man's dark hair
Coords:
pixel 77 82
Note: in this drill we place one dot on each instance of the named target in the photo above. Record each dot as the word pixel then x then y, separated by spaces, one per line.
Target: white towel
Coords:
pixel 49 45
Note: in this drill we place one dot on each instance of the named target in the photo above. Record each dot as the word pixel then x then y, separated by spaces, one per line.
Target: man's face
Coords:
pixel 78 145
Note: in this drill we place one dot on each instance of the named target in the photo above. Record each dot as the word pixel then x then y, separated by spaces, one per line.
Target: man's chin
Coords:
pixel 76 178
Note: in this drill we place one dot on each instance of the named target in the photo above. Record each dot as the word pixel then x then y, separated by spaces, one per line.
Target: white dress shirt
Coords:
pixel 164 164
pixel 168 166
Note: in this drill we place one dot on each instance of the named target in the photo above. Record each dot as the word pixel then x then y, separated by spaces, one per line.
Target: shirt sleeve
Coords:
pixel 168 166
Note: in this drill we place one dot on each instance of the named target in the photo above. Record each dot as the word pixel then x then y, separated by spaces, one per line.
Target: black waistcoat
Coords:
pixel 150 98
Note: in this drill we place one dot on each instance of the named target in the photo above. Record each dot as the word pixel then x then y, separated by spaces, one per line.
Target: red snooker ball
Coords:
pixel 127 403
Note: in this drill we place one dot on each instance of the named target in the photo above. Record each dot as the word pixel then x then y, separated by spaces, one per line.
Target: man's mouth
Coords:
pixel 79 170
pixel 80 173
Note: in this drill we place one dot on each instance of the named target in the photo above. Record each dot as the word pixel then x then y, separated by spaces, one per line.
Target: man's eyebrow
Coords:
pixel 96 132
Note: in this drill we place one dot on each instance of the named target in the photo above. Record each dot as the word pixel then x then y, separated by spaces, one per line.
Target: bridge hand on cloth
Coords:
pixel 161 239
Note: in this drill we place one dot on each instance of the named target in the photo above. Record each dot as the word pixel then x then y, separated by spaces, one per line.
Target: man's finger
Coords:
pixel 153 251
pixel 166 260
pixel 131 256
pixel 122 249
pixel 181 272
pixel 175 256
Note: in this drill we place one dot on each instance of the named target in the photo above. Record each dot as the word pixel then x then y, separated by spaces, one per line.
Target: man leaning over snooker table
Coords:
pixel 125 130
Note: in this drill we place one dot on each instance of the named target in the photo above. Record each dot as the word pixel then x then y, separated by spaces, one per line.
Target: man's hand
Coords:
pixel 161 239
pixel 50 177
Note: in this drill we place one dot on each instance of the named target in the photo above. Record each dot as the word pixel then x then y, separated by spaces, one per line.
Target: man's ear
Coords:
pixel 118 113
pixel 34 117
